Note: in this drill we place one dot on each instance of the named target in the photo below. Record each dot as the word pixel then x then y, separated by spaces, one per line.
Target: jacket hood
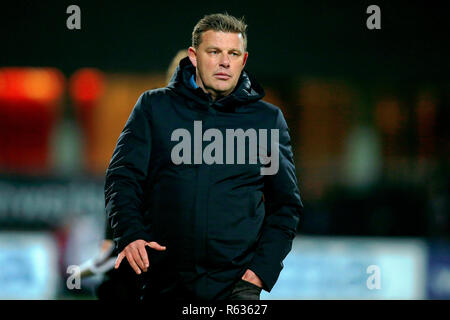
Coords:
pixel 247 89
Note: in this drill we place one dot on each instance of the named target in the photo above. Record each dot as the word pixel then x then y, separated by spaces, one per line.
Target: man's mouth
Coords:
pixel 222 76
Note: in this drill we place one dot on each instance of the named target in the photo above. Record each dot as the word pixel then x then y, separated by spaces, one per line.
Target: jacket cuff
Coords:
pixel 266 273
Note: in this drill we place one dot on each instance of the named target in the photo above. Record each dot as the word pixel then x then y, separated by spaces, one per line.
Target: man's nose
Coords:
pixel 225 61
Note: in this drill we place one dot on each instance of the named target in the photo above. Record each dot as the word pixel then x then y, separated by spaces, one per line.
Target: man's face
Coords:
pixel 219 61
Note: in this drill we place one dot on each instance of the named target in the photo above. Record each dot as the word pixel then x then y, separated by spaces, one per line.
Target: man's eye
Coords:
pixel 213 52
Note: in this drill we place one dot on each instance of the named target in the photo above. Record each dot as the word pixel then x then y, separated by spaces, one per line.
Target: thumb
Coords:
pixel 156 246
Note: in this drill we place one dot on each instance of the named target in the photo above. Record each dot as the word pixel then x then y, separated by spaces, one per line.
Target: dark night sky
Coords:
pixel 327 38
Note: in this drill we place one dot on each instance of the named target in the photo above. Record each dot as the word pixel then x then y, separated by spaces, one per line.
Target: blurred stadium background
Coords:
pixel 368 113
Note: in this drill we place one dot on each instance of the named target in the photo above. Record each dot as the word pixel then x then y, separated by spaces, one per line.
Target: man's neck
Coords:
pixel 213 94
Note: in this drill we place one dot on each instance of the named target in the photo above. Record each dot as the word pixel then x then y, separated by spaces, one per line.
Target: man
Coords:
pixel 188 213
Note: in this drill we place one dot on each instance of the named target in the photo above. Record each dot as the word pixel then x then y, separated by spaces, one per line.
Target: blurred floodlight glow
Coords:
pixel 43 85
pixel 86 85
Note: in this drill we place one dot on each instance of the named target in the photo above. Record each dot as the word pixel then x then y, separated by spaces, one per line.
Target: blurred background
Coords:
pixel 368 112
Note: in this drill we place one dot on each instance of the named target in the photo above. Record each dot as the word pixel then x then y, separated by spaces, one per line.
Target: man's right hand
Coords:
pixel 137 255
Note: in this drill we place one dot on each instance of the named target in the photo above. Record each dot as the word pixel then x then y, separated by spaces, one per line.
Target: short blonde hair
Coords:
pixel 219 22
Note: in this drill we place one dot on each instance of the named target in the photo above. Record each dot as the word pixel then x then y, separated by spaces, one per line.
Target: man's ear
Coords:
pixel 192 56
pixel 245 59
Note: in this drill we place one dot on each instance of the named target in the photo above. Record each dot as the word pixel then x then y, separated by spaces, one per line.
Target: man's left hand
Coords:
pixel 251 277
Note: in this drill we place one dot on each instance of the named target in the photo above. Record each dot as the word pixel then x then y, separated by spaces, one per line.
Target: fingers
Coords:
pixel 137 255
pixel 144 257
pixel 156 246
pixel 126 254
pixel 119 260
pixel 133 264
pixel 135 252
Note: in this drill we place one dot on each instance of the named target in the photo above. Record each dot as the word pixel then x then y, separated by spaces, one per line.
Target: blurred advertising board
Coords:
pixel 48 202
pixel 28 265
pixel 46 224
pixel 438 275
pixel 353 268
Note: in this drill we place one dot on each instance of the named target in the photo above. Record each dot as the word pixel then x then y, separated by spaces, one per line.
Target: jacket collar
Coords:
pixel 247 89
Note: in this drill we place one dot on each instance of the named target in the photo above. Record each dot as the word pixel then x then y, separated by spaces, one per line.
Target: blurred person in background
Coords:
pixel 202 231
pixel 181 54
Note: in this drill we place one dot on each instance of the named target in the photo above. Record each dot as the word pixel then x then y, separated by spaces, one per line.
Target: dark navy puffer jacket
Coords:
pixel 217 220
